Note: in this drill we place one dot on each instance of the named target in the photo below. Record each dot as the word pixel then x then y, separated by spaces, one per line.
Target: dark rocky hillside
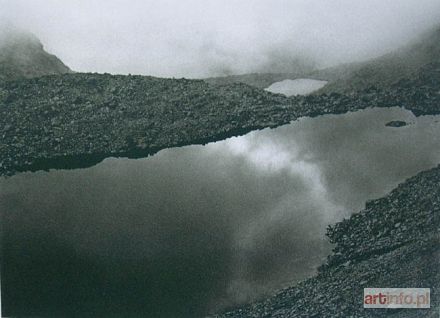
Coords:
pixel 74 120
pixel 394 242
pixel 385 70
pixel 22 56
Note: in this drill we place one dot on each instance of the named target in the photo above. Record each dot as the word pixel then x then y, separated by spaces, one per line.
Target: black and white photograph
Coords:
pixel 219 158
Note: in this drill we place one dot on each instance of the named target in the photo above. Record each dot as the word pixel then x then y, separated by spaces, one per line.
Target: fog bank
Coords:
pixel 196 38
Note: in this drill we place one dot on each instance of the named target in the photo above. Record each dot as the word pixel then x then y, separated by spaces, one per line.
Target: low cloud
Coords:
pixel 197 38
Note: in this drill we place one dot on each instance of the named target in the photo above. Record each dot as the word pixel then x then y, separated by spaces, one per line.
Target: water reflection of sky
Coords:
pixel 299 86
pixel 202 226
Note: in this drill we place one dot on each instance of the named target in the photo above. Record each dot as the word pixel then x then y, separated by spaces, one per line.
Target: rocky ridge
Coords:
pixel 77 120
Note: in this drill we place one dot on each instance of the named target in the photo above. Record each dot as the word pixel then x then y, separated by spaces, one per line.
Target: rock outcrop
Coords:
pixel 23 56
pixel 396 123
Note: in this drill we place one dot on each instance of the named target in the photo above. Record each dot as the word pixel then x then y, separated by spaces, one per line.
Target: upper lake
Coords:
pixel 300 86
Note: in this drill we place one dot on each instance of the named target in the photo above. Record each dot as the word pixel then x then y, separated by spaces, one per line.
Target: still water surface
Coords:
pixel 299 86
pixel 198 228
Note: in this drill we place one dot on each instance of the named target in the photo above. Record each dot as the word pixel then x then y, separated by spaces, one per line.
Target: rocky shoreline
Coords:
pixel 393 242
pixel 77 120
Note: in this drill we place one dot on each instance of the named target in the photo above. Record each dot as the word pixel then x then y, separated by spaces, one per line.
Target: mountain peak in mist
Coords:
pixel 22 55
pixel 384 70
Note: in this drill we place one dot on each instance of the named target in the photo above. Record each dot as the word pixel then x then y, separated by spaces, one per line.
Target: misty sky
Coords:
pixel 197 38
